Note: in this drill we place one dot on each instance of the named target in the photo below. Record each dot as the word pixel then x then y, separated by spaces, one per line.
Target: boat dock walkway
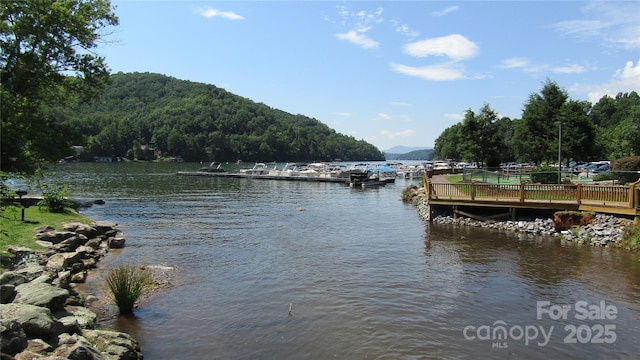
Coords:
pixel 610 199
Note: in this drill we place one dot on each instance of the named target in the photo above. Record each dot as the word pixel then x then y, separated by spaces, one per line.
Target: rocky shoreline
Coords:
pixel 603 230
pixel 41 313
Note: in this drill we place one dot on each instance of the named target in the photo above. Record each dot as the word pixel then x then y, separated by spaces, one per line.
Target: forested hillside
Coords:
pixel 200 122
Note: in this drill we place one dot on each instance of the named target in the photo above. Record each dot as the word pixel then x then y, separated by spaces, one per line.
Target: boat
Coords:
pixel 365 179
pixel 213 167
pixel 259 169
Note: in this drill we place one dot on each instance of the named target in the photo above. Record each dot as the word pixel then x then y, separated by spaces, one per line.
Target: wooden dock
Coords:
pixel 265 176
pixel 610 199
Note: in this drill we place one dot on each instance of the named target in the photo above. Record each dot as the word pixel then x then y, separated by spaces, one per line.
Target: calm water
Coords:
pixel 365 276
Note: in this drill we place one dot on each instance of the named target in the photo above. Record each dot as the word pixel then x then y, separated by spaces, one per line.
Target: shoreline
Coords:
pixel 43 314
pixel 604 230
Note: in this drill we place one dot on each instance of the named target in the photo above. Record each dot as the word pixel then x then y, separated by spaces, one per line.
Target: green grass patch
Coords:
pixel 631 237
pixel 14 231
pixel 452 179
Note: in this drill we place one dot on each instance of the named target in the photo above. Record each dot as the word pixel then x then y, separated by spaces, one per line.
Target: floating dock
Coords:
pixel 333 179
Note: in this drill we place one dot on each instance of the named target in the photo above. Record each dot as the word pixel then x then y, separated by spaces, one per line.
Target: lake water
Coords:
pixel 363 275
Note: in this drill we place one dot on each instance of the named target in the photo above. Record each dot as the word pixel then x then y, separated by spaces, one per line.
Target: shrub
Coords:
pixel 626 169
pixel 544 174
pixel 631 237
pixel 54 197
pixel 604 176
pixel 126 284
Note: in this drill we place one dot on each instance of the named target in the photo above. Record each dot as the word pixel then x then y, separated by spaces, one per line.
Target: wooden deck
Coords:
pixel 611 199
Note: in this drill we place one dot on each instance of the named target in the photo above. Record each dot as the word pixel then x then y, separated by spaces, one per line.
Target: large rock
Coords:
pixel 13 278
pixel 565 220
pixel 7 293
pixel 77 316
pixel 54 237
pixel 76 347
pixel 116 242
pixel 105 227
pixel 41 294
pixel 63 261
pixel 70 244
pixel 35 321
pixel 14 339
pixel 115 345
pixel 80 228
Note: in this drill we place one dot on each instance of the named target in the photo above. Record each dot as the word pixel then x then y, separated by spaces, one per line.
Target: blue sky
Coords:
pixel 389 72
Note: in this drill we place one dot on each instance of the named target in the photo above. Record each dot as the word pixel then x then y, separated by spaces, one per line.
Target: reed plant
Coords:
pixel 126 285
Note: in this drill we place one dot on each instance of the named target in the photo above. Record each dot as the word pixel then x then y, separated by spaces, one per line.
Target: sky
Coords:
pixel 392 73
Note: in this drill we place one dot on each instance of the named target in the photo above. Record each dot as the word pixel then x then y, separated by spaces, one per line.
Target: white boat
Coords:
pixel 259 169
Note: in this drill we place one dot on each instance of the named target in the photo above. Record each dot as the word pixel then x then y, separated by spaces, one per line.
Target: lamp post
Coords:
pixel 559 123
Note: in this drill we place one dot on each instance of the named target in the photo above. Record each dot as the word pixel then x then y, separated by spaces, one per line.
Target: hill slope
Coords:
pixel 201 122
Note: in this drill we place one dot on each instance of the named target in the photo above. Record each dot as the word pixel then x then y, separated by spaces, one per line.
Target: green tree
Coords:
pixel 534 137
pixel 446 145
pixel 480 139
pixel 46 59
pixel 578 131
pixel 618 123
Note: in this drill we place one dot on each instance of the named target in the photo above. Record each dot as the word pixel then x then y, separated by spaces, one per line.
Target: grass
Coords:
pixel 631 238
pixel 126 284
pixel 15 232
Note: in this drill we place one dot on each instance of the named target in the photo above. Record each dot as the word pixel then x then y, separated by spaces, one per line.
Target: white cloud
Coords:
pixel 359 23
pixel 623 81
pixel 397 134
pixel 359 39
pixel 456 117
pixel 515 63
pixel 456 47
pixel 570 69
pixel 404 29
pixel 440 72
pixel 615 23
pixel 211 12
pixel 444 12
pixel 384 116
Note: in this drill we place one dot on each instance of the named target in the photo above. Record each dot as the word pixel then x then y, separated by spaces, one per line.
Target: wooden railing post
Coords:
pixel 632 194
pixel 521 192
pixel 579 194
pixel 473 191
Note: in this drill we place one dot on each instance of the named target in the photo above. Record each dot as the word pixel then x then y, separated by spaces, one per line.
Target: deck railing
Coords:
pixel 605 195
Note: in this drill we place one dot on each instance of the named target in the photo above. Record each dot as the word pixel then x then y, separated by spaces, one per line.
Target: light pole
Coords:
pixel 559 123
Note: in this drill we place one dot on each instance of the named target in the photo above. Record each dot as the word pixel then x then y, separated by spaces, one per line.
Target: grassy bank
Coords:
pixel 20 233
pixel 631 239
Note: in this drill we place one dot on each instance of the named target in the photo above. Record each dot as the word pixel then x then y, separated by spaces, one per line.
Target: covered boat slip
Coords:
pixel 611 199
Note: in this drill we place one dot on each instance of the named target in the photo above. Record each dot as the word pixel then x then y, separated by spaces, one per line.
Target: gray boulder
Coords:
pixel 115 345
pixel 76 347
pixel 70 244
pixel 77 316
pixel 116 242
pixel 41 294
pixel 80 228
pixel 7 293
pixel 14 339
pixel 53 236
pixel 35 321
pixel 63 261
